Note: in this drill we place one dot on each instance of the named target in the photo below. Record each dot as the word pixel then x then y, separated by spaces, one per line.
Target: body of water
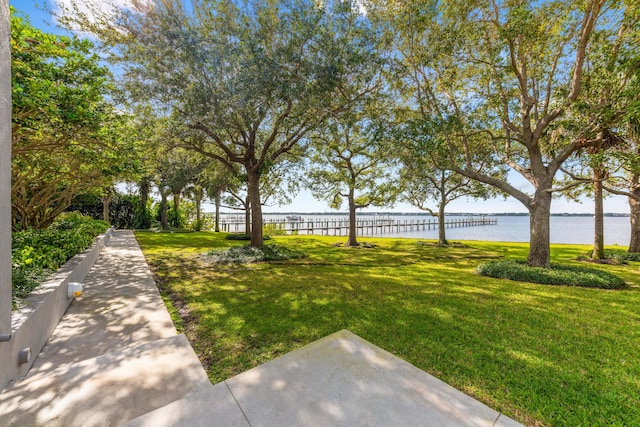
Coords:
pixel 564 229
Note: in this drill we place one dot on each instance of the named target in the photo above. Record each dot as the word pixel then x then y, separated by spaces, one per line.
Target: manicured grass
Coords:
pixel 544 355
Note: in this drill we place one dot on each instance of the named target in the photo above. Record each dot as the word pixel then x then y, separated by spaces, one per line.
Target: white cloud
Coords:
pixel 96 10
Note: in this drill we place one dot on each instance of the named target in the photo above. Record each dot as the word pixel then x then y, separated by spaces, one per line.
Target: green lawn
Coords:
pixel 544 355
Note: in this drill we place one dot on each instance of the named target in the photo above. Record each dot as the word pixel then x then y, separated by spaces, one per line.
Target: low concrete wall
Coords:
pixel 33 324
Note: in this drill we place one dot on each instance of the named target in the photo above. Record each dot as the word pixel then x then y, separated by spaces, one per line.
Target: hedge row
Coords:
pixel 564 275
pixel 37 253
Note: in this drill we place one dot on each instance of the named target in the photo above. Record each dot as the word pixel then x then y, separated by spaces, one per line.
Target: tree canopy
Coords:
pixel 253 78
pixel 506 74
pixel 513 88
pixel 66 137
pixel 352 160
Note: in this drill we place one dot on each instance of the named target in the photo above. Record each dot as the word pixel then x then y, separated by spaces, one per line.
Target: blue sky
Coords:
pixel 304 202
pixel 38 17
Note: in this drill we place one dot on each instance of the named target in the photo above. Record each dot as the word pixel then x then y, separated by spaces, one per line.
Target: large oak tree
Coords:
pixel 507 72
pixel 253 77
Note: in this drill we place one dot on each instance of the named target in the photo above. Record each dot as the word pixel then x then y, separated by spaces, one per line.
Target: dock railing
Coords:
pixel 364 226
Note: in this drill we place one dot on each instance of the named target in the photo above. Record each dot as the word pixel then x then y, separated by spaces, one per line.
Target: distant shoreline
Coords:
pixel 608 214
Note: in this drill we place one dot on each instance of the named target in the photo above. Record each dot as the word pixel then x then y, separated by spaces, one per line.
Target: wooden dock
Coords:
pixel 364 227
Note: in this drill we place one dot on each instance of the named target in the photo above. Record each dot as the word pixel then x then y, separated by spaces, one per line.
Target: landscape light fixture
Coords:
pixel 74 290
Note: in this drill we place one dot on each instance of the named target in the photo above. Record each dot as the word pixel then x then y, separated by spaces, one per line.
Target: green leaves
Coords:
pixel 351 159
pixel 246 81
pixel 35 253
pixel 55 76
pixel 508 73
pixel 66 137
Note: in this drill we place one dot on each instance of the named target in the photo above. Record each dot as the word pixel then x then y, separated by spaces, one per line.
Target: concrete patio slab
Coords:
pixel 108 390
pixel 343 380
pixel 210 406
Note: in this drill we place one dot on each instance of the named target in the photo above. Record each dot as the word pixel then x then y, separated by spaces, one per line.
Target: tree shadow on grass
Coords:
pixel 517 347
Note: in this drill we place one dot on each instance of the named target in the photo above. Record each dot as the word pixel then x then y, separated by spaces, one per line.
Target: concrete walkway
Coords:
pixel 116 359
pixel 114 356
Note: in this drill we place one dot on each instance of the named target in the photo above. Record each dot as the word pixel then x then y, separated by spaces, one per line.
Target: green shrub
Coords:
pixel 24 280
pixel 36 253
pixel 274 229
pixel 556 275
pixel 242 236
pixel 122 211
pixel 248 254
pixel 237 236
pixel 142 217
pixel 616 256
pixel 125 210
pixel 623 256
pixel 207 221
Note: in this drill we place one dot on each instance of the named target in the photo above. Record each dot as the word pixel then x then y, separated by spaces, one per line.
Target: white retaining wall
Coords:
pixel 33 324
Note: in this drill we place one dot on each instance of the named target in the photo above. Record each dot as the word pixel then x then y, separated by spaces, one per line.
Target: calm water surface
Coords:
pixel 516 229
pixel 564 229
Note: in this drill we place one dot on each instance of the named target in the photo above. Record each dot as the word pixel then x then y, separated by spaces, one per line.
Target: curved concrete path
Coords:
pixel 116 359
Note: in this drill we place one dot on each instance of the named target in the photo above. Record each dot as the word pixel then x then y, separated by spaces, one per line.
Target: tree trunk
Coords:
pixel 106 201
pixel 176 201
pixel 144 217
pixel 539 211
pixel 256 209
pixel 144 189
pixel 352 240
pixel 442 237
pixel 217 203
pixel 198 226
pixel 598 232
pixel 247 215
pixel 634 207
pixel 175 218
pixel 164 223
